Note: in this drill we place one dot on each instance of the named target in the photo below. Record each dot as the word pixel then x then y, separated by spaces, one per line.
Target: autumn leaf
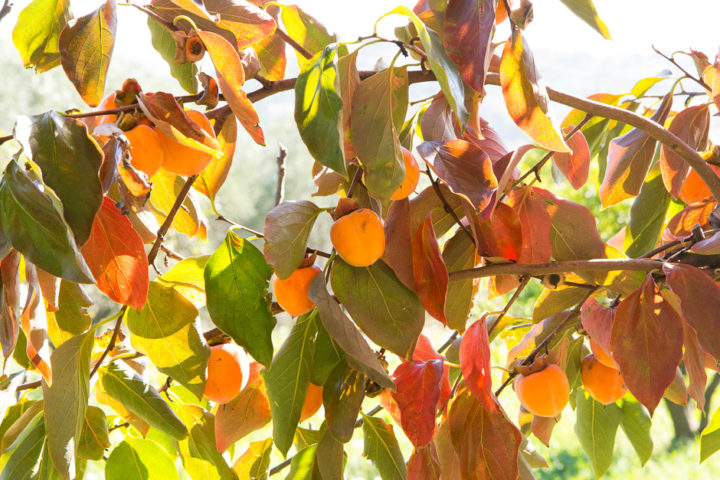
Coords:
pixel 417 396
pixel 429 271
pixel 475 364
pixel 692 126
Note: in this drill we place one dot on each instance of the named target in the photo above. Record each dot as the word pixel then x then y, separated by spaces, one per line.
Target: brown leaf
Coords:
pixel 629 159
pixel 436 124
pixel 487 443
pixel 692 126
pixel 448 459
pixel 694 360
pixel 430 275
pixel 349 79
pixel 646 343
pixel 501 237
pixel 542 428
pixel 11 306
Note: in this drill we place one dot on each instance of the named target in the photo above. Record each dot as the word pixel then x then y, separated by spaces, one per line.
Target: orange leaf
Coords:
pixel 430 275
pixel 424 464
pixel 576 165
pixel 248 22
pixel 418 396
pixel 230 77
pixel 10 300
pixel 525 99
pixel 214 175
pixel 692 126
pixel 34 324
pixel 502 236
pixel 646 343
pixel 424 352
pixel 475 364
pixel 682 224
pixel 597 320
pixel 535 224
pixel 116 257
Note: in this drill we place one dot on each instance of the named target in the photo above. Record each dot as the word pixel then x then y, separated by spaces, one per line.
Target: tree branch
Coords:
pixel 533 269
pixel 169 219
pixel 111 343
pixel 299 48
pixel 280 190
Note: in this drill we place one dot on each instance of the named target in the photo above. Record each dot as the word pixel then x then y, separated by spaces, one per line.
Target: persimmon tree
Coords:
pixel 426 199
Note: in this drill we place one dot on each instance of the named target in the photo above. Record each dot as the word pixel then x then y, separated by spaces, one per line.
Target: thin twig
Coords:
pixel 672 60
pixel 169 219
pixel 448 342
pixel 111 343
pixel 5 8
pixel 516 294
pixel 6 138
pixel 280 190
pixel 354 181
pixel 446 205
pixel 299 48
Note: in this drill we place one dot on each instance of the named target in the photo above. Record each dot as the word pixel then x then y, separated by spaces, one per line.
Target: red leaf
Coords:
pixel 424 464
pixel 502 235
pixel 398 247
pixel 436 124
pixel 699 303
pixel 430 276
pixel 597 320
pixel 475 363
pixel 694 358
pixel 116 257
pixel 535 224
pixel 646 343
pixel 487 443
pixel 464 167
pixel 418 396
pixel 629 159
pixel 488 140
pixel 425 352
pixel 468 30
pixel 691 125
pixel 681 225
pixel 576 165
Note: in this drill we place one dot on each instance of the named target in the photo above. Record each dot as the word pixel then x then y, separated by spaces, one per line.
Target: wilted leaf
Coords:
pixel 34 324
pixel 116 256
pixel 66 401
pixel 287 228
pixel 356 350
pixel 86 46
pixel 236 283
pixel 691 126
pixel 644 325
pixel 127 387
pixel 430 274
pixel 318 110
pixel 525 98
pixel 585 10
pixel 288 378
pixel 475 364
pixel 36 33
pixel 138 459
pixel 378 112
pixel 387 311
pixel 381 448
pixel 70 161
pixel 629 159
pixel 230 78
pixel 167 332
pixel 596 426
pixel 486 442
pixel 10 302
pixel 164 43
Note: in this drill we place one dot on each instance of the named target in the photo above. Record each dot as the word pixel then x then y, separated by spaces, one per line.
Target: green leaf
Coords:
pixel 164 43
pixel 636 423
pixel 381 447
pixel 138 459
pixel 66 400
pixel 330 450
pixel 343 395
pixel 236 284
pixel 327 355
pixel 70 161
pixel 72 317
pixel 585 10
pixel 305 30
pixel 167 332
pixel 188 278
pixel 95 437
pixel 596 426
pixel 318 108
pixel 287 228
pixel 357 352
pixel 255 462
pixel 199 453
pixel 550 302
pixel 86 47
pixel 127 387
pixel 23 454
pixel 710 437
pixel 377 115
pixel 46 468
pixel 459 254
pixel 301 466
pixel 37 30
pixel 288 378
pixel 441 64
pixel 385 309
pixel 647 215
pixel 36 229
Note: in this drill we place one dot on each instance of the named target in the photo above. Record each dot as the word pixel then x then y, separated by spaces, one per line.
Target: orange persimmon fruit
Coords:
pixel 602 355
pixel 228 370
pixel 313 402
pixel 146 153
pixel 544 393
pixel 603 383
pixel 292 293
pixel 412 176
pixel 359 237
pixel 182 160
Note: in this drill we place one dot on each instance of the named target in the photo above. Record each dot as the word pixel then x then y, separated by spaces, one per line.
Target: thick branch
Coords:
pixel 597 265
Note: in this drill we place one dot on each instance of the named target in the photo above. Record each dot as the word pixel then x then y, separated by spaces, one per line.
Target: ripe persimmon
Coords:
pixel 602 355
pixel 603 383
pixel 412 176
pixel 313 402
pixel 146 153
pixel 544 393
pixel 182 160
pixel 107 103
pixel 292 293
pixel 359 237
pixel 228 370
